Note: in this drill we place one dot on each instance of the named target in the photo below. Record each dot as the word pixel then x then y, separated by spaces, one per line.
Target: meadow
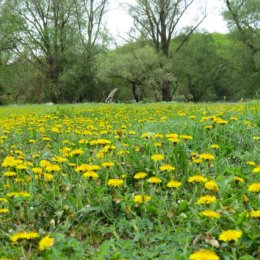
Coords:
pixel 163 181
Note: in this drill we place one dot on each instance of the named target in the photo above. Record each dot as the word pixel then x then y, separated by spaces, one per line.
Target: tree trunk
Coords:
pixel 166 91
pixel 134 90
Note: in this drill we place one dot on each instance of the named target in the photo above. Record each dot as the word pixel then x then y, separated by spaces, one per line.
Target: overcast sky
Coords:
pixel 119 23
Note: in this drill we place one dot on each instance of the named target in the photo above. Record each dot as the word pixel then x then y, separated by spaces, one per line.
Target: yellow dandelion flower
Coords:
pixel 230 234
pixel 207 199
pixel 210 214
pixel 157 157
pixel 108 164
pixel 141 198
pixel 186 137
pixel 197 160
pixel 18 194
pixel 239 179
pixel 197 178
pixel 23 235
pixel 115 182
pixel 140 175
pixel 37 170
pixel 251 163
pixel 214 146
pixel 53 168
pixel 173 184
pixel 91 174
pixel 44 163
pixel 206 156
pixel 204 254
pixel 256 169
pixel 211 185
pixel 9 174
pixel 46 242
pixel 48 177
pixel 254 187
pixel 154 180
pixel 167 167
pixel 254 213
pixel 4 211
pixel 76 152
pixel 4 200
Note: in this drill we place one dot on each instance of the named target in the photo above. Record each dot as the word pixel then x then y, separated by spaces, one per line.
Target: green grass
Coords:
pixel 88 219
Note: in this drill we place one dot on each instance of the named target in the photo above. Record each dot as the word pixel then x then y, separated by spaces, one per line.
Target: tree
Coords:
pixel 159 20
pixel 59 36
pixel 141 70
pixel 243 18
pixel 198 68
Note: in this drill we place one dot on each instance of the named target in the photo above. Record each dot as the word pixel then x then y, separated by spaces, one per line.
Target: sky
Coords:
pixel 119 22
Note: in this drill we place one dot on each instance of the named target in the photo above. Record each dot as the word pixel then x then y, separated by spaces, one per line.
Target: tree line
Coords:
pixel 60 51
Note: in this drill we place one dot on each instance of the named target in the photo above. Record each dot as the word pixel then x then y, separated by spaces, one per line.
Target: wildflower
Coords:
pixel 108 164
pixel 91 174
pixel 44 163
pixel 230 234
pixel 251 163
pixel 254 213
pixel 9 174
pixel 31 141
pixel 256 169
pixel 207 156
pixel 53 168
pixel 46 242
pixel 59 159
pixel 197 161
pixel 186 137
pixel 154 180
pixel 115 182
pixel 140 175
pixel 37 170
pixel 239 179
pixel 46 139
pixel 48 177
pixel 174 140
pixel 214 146
pixel 208 127
pixel 157 157
pixel 141 198
pixel 173 184
pixel 23 235
pixel 18 194
pixel 4 211
pixel 76 152
pixel 167 167
pixel 204 254
pixel 197 178
pixel 210 214
pixel 207 199
pixel 4 200
pixel 211 185
pixel 254 187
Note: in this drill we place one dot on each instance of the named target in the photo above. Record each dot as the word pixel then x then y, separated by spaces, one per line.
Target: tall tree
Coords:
pixel 89 18
pixel 159 21
pixel 244 21
pixel 54 33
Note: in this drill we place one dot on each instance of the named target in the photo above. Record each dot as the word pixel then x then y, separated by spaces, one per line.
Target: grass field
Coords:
pixel 130 182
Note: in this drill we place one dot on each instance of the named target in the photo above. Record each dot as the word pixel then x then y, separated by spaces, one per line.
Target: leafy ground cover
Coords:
pixel 150 181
